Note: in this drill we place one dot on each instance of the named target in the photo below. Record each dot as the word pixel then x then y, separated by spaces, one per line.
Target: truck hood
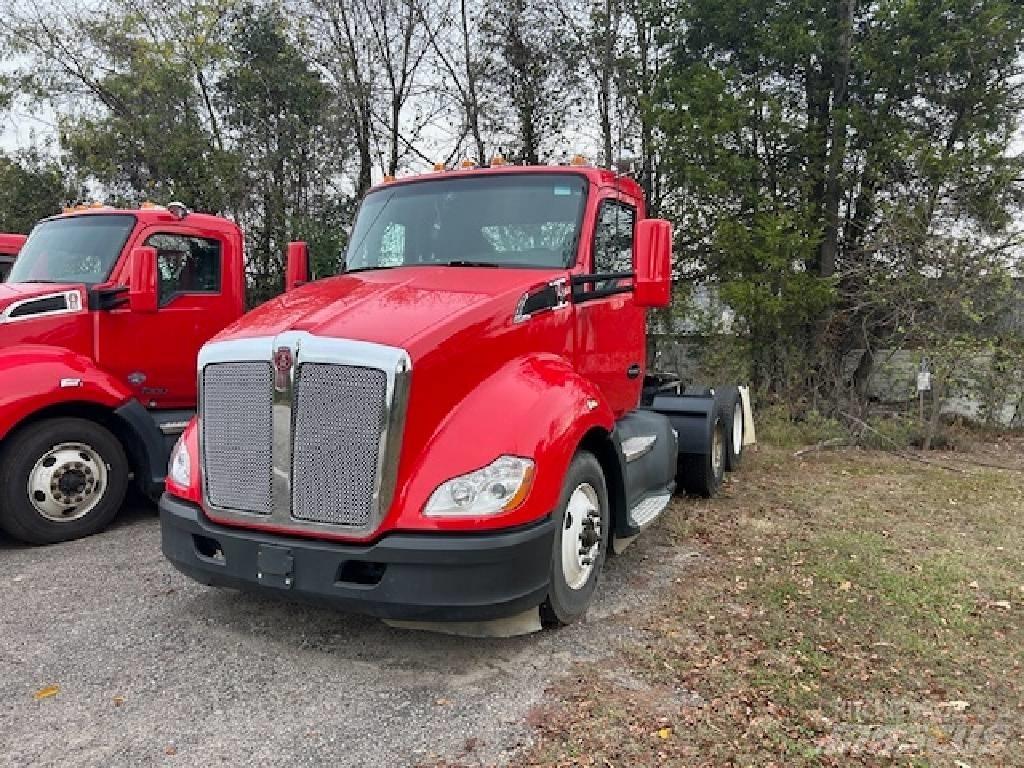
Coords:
pixel 400 307
pixel 24 300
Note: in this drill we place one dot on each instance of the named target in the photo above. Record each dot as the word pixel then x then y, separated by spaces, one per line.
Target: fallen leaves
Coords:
pixel 46 693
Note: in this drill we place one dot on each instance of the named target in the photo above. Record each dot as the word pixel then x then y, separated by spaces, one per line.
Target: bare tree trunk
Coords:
pixel 837 150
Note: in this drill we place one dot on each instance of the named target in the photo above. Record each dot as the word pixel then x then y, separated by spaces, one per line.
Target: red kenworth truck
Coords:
pixel 101 321
pixel 458 427
pixel 9 247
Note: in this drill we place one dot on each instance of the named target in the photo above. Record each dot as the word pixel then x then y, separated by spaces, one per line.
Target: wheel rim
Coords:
pixel 67 482
pixel 717 454
pixel 737 429
pixel 581 537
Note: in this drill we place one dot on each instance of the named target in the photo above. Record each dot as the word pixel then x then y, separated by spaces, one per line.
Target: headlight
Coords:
pixel 180 470
pixel 498 487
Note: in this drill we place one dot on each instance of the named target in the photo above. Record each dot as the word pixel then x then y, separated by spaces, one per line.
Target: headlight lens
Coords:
pixel 498 487
pixel 180 469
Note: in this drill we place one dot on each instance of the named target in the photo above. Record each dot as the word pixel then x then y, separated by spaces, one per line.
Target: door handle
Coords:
pixel 633 371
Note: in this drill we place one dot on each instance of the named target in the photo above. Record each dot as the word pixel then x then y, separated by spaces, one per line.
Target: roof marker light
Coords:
pixel 440 167
pixel 497 160
pixel 387 179
pixel 178 210
pixel 578 160
pixel 467 164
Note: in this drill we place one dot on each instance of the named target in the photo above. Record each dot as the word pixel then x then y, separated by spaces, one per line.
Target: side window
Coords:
pixel 185 264
pixel 613 237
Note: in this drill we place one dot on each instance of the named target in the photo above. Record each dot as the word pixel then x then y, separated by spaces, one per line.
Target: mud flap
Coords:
pixel 749 436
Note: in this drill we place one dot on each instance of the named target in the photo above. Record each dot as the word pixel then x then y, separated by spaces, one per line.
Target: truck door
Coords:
pixel 610 339
pixel 156 353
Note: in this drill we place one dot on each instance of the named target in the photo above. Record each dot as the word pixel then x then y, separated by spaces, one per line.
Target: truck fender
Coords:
pixel 692 417
pixel 535 406
pixel 38 380
pixel 36 377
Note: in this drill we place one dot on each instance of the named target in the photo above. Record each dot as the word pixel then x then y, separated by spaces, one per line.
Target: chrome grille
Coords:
pixel 237 435
pixel 339 412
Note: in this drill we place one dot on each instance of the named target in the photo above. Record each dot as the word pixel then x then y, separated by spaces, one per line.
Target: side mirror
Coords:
pixel 652 263
pixel 296 270
pixel 142 293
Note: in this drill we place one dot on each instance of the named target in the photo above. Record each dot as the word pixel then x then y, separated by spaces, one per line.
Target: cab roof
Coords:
pixel 601 177
pixel 151 214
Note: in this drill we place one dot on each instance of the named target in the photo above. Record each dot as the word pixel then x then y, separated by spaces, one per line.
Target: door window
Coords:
pixel 613 239
pixel 185 264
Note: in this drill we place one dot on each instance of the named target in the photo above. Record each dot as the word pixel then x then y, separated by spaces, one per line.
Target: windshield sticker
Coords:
pixel 563 191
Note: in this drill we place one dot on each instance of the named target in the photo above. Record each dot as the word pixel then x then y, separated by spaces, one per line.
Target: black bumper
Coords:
pixel 426 576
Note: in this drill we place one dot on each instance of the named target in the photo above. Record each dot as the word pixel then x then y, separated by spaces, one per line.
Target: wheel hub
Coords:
pixel 581 538
pixel 67 482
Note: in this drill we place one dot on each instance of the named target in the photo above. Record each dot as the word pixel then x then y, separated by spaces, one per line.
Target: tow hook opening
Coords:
pixel 208 548
pixel 360 572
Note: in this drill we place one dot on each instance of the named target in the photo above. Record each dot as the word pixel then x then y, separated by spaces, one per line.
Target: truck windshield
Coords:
pixel 511 220
pixel 79 249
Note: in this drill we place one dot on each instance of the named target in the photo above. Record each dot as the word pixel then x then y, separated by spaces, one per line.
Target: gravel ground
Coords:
pixel 154 669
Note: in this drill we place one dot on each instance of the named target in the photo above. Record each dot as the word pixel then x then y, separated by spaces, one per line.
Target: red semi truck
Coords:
pixel 9 247
pixel 458 428
pixel 101 321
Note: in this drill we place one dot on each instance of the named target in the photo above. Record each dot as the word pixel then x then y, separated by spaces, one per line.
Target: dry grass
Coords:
pixel 851 608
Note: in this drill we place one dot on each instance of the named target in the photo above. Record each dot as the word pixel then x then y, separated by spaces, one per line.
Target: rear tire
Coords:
pixel 702 474
pixel 581 542
pixel 61 479
pixel 730 410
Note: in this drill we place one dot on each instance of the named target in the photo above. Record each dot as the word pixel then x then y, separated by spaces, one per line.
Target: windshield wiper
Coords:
pixel 366 269
pixel 465 263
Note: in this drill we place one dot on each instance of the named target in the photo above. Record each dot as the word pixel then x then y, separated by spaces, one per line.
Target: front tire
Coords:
pixel 61 479
pixel 581 542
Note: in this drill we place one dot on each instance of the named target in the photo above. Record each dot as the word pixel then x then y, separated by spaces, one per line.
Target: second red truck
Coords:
pixel 101 321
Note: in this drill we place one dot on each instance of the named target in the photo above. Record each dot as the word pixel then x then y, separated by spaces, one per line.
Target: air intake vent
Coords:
pixel 56 303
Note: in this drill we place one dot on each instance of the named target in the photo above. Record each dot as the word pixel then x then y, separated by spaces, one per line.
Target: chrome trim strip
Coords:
pixel 636 447
pixel 173 427
pixel 73 304
pixel 307 348
pixel 282 423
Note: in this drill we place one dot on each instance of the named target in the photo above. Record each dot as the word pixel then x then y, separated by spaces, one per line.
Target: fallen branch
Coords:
pixel 896 449
pixel 824 445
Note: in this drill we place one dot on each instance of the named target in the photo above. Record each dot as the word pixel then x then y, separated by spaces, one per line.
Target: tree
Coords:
pixel 32 187
pixel 277 112
pixel 791 130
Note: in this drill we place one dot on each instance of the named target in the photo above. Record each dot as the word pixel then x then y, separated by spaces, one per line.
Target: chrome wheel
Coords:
pixel 581 537
pixel 717 454
pixel 737 429
pixel 67 482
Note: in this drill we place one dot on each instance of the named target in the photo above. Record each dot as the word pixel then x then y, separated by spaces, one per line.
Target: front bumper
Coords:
pixel 410 576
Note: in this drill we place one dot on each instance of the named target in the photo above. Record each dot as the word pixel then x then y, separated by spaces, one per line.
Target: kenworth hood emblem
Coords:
pixel 283 362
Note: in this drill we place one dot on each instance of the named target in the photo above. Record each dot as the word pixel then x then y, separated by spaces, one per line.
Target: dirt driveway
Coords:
pixel 153 669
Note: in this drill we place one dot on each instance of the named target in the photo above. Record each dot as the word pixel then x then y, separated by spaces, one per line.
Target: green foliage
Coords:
pixel 777 425
pixel 793 134
pixel 31 188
